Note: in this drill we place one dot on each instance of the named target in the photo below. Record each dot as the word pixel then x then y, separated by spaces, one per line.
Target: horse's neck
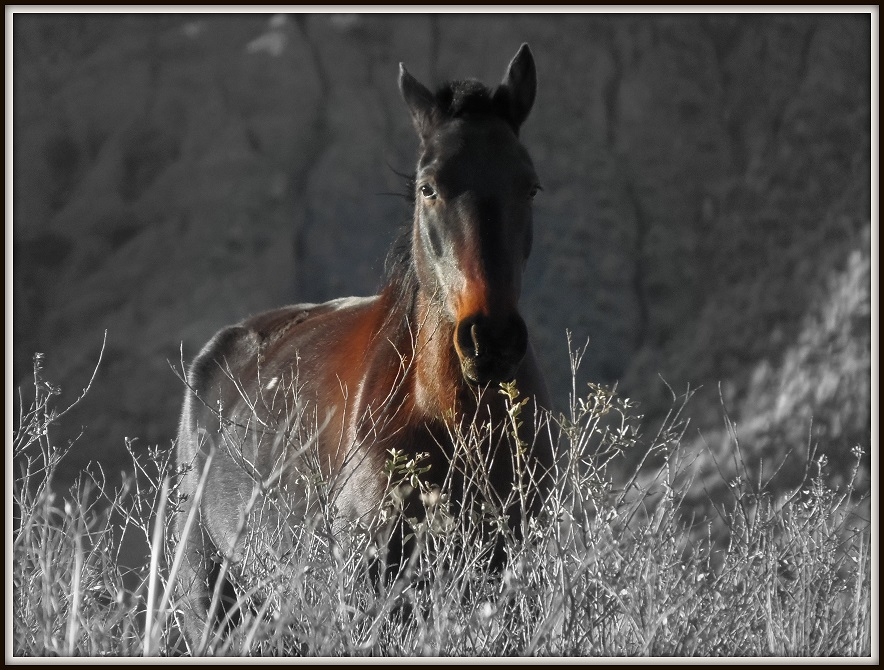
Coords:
pixel 438 383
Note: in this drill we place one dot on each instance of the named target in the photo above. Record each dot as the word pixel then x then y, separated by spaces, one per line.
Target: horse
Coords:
pixel 386 374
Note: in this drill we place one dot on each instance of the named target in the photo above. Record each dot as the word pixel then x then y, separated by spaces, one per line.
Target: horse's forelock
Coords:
pixel 456 99
pixel 468 97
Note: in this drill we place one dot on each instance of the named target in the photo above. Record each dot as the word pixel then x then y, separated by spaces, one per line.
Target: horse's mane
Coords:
pixel 400 277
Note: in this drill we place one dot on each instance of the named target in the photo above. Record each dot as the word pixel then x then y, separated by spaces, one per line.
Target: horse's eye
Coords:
pixel 534 191
pixel 427 191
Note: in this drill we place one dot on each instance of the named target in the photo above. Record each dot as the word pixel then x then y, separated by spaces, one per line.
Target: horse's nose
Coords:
pixel 490 350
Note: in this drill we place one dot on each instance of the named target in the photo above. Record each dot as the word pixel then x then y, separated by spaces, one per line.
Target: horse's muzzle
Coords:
pixel 490 350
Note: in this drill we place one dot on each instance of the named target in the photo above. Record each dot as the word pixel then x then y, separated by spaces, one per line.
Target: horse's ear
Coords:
pixel 421 103
pixel 518 88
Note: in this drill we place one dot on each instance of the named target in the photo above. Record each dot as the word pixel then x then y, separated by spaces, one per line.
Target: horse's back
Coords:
pixel 271 339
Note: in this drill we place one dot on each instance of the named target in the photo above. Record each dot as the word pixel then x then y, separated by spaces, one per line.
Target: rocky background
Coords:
pixel 706 218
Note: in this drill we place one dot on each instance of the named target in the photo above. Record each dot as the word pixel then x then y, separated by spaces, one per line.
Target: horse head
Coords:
pixel 472 234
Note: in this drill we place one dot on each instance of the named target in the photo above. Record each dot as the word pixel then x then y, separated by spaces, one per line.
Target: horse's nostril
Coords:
pixel 474 333
pixel 491 349
pixel 469 338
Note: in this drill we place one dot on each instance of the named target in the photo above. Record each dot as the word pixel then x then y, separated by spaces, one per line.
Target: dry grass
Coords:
pixel 612 567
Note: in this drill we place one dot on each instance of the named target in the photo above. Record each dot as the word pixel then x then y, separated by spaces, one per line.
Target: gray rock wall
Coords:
pixel 707 191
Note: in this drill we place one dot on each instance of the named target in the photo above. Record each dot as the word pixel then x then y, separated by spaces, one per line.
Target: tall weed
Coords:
pixel 613 565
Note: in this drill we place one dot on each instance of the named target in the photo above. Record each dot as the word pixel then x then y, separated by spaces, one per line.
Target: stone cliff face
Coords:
pixel 706 215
